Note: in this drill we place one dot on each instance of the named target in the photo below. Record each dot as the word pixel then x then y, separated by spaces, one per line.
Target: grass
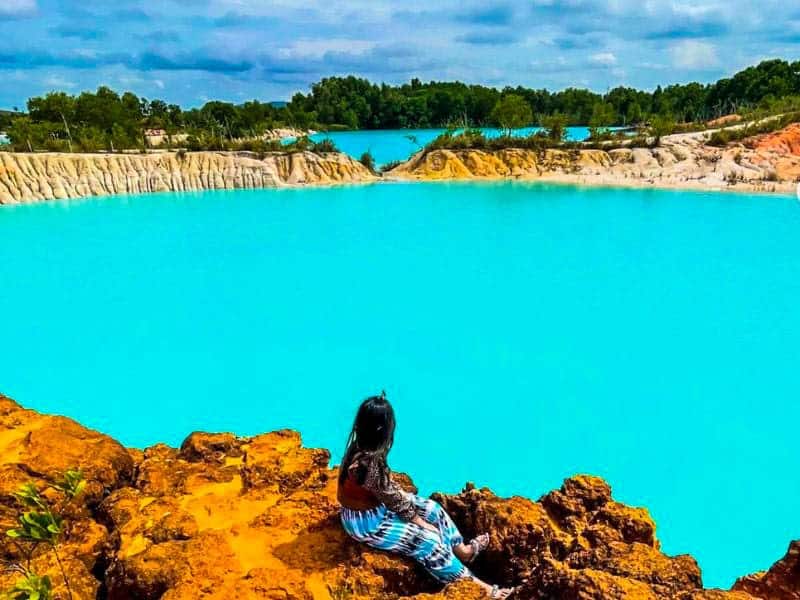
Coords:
pixel 474 139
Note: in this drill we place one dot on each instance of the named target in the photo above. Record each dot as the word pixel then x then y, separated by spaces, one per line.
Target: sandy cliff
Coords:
pixel 225 517
pixel 681 161
pixel 49 176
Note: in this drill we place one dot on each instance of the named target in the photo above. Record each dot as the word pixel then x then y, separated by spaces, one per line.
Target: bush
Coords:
pixel 324 145
pixel 720 138
pixel 368 161
pixel 660 126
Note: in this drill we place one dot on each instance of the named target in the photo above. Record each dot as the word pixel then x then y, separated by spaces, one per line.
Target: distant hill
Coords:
pixel 278 103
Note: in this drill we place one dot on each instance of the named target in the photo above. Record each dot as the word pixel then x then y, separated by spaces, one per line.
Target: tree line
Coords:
pixel 356 103
pixel 108 120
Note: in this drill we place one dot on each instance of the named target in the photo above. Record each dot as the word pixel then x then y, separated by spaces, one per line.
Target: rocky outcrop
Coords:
pixel 51 176
pixel 227 517
pixel 681 161
pixel 781 582
pixel 282 133
pixel 786 141
pixel 781 149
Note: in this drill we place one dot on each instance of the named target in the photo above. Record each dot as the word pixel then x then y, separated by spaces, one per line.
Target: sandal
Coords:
pixel 499 593
pixel 478 544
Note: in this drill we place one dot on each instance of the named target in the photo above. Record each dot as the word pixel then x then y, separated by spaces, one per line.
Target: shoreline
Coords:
pixel 255 517
pixel 680 162
pixel 589 182
pixel 683 162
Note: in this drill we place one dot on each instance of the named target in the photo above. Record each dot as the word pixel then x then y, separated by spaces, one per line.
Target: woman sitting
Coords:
pixel 377 512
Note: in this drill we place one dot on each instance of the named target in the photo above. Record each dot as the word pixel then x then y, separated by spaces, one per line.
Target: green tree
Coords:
pixel 555 127
pixel 511 112
pixel 661 125
pixel 603 115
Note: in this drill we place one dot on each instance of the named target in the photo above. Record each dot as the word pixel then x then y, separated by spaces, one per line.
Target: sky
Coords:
pixel 191 51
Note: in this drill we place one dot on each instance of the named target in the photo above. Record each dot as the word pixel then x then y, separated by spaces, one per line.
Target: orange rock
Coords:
pixel 784 141
pixel 780 582
pixel 253 518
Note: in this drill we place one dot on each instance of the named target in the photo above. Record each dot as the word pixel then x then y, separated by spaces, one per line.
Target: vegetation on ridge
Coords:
pixel 109 121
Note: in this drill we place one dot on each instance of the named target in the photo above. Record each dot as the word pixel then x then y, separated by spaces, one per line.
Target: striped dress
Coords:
pixel 388 527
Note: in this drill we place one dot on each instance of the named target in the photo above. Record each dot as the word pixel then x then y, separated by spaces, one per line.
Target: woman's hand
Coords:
pixel 424 524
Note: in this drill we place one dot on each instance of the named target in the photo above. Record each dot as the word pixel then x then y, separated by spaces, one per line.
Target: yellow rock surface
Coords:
pixel 252 518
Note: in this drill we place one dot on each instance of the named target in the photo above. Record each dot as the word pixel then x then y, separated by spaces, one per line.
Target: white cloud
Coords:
pixel 603 59
pixel 319 47
pixel 57 83
pixel 17 7
pixel 694 54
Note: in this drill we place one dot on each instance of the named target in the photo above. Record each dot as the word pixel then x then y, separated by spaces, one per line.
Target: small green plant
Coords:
pixel 41 524
pixel 72 484
pixel 30 587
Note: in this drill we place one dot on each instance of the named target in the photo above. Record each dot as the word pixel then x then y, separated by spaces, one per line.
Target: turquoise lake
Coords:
pixel 524 332
pixel 387 145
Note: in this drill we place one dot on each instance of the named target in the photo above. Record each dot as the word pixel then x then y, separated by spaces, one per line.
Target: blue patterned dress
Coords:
pixel 388 527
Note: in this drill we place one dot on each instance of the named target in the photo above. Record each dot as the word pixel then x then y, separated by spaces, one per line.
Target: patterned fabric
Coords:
pixel 382 528
pixel 372 470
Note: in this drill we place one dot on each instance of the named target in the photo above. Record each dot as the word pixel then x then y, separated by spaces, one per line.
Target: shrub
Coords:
pixel 324 145
pixel 660 126
pixel 41 524
pixel 368 161
pixel 719 138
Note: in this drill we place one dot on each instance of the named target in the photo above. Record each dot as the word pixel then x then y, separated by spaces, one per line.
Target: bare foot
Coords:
pixel 467 552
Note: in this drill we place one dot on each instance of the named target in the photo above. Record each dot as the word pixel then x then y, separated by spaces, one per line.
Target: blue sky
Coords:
pixel 189 51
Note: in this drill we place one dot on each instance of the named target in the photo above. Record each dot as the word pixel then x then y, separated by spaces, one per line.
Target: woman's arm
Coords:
pixel 388 492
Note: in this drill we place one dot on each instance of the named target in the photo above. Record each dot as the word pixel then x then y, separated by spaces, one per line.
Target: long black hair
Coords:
pixel 372 433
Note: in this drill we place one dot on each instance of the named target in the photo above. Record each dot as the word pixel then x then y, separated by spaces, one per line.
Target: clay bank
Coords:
pixel 27 178
pixel 766 163
pixel 230 517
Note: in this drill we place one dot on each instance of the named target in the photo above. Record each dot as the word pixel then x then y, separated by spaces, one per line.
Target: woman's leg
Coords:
pixel 409 539
pixel 433 513
pixel 384 530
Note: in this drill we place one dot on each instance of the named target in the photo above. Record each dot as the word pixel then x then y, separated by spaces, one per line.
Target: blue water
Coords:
pixel 387 145
pixel 524 332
